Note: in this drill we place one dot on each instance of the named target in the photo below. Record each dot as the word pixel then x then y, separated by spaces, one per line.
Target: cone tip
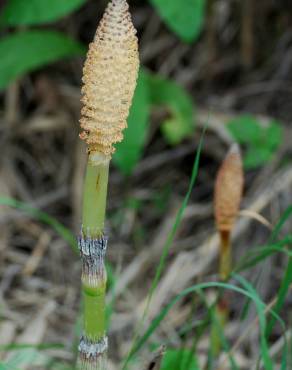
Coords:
pixel 234 149
pixel 119 2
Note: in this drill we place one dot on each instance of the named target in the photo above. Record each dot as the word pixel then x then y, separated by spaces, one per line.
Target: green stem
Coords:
pixel 225 255
pixel 94 198
pixel 221 311
pixel 92 246
pixel 219 319
pixel 94 312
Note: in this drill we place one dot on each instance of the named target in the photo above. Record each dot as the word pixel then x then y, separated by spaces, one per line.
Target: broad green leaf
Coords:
pixel 261 142
pixel 256 156
pixel 24 52
pixel 245 129
pixel 273 135
pixel 184 17
pixel 179 360
pixel 180 123
pixel 130 150
pixel 176 129
pixel 31 12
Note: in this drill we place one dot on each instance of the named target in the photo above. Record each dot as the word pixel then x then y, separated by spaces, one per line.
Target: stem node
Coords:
pixel 92 354
pixel 92 252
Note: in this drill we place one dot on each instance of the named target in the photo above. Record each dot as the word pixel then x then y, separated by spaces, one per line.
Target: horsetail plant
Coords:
pixel 109 80
pixel 228 194
pixel 227 199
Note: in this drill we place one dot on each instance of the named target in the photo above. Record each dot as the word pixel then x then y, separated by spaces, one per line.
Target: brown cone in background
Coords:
pixel 228 190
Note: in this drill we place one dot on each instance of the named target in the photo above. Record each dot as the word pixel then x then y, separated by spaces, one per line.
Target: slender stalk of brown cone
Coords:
pixel 228 195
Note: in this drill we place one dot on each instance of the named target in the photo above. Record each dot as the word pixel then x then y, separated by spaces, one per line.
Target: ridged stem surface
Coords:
pixel 92 245
pixel 94 311
pixel 225 263
pixel 94 198
pixel 222 307
pixel 217 330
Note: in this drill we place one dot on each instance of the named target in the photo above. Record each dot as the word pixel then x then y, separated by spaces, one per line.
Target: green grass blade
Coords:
pixel 281 296
pixel 176 225
pixel 167 246
pixel 39 347
pixel 223 341
pixel 275 317
pixel 285 357
pixel 259 254
pixel 260 306
pixel 262 321
pixel 287 278
pixel 286 215
pixel 41 216
pixel 254 257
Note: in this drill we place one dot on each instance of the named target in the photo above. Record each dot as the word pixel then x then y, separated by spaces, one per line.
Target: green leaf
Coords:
pixel 31 12
pixel 159 92
pixel 180 123
pixel 179 359
pixel 273 135
pixel 245 129
pixel 26 51
pixel 130 150
pixel 184 17
pixel 261 142
pixel 257 156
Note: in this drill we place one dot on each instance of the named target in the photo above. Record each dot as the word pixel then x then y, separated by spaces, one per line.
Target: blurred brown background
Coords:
pixel 241 63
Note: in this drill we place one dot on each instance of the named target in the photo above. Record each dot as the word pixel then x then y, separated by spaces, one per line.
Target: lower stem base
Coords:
pixel 98 363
